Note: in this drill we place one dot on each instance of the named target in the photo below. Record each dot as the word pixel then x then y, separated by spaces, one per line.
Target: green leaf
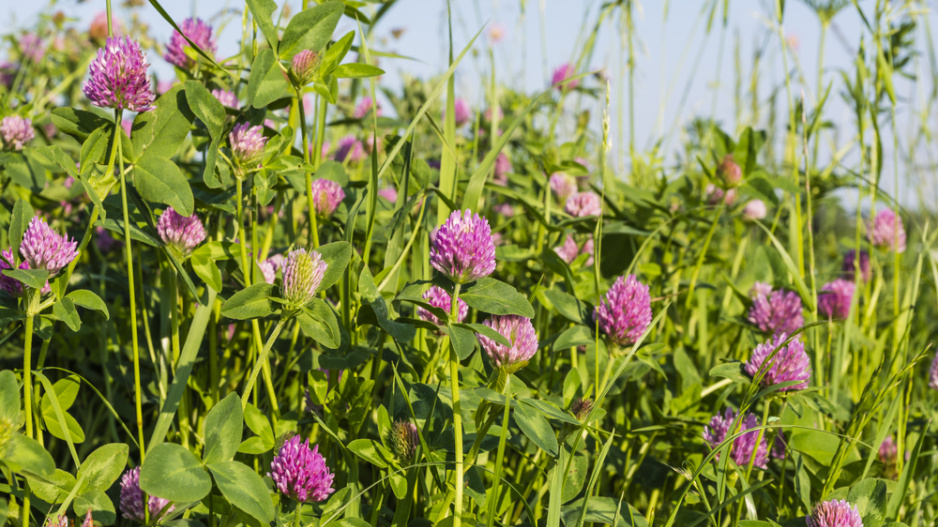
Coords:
pixel 161 132
pixel 244 489
pixel 253 302
pixel 102 467
pixel 54 489
pixel 486 331
pixel 171 472
pixel 65 311
pixel 65 391
pixel 9 396
pixel 732 371
pixel 25 455
pixel 205 268
pixel 34 278
pixel 574 479
pixel 574 336
pixel 54 425
pixel 262 11
pixel 318 322
pixel 77 123
pixel 463 340
pixel 604 511
pixel 102 508
pixel 159 180
pixel 869 497
pixel 498 298
pixel 336 52
pixel 223 426
pixel 310 29
pixel 372 452
pixel 356 70
pixel 536 427
pixel 23 213
pixel 570 307
pixel 337 256
pixel 266 83
pixel 206 107
pixel 89 300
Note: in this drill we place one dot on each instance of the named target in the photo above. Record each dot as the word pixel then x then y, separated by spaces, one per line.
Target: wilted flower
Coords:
pixel 520 333
pixel 300 472
pixel 581 407
pixel 625 311
pixel 790 363
pixel 439 298
pixel 226 98
pixel 502 168
pixel 304 66
pixel 247 144
pixel 118 77
pixel 43 248
pixel 462 248
pixel 849 267
pixel 835 513
pixel 12 286
pixel 461 112
pixel 327 195
pixel 743 447
pixel 561 74
pixel 562 185
pixel 388 193
pixel 835 298
pixel 754 210
pixel 581 204
pixel 349 148
pixel 886 231
pixel 16 131
pixel 729 171
pixel 131 504
pixel 364 107
pixel 777 312
pixel 404 439
pixel 199 33
pixel 184 233
pixel 302 274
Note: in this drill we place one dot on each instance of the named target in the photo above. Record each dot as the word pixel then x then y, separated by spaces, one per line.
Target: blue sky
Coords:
pixel 676 60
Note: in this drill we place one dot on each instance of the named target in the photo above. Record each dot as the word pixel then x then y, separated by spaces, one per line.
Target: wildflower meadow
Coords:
pixel 277 287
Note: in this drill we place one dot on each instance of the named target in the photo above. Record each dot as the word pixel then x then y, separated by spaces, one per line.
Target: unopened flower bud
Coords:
pixel 305 64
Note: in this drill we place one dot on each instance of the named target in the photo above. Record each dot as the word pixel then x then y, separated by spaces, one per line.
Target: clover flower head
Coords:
pixel 98 29
pixel 777 312
pixel 502 168
pixel 226 98
pixel 729 171
pixel 184 233
pixel 835 513
pixel 849 267
pixel 625 311
pixel 561 74
pixel 199 33
pixel 404 439
pixel 835 298
pixel 16 131
pixel 32 47
pixel 760 289
pixel 118 77
pixel 741 451
pixel 462 114
pixel 131 504
pixel 247 144
pixel 520 333
pixel 302 273
pixel 43 248
pixel 268 271
pixel 389 193
pixel 439 298
pixel 933 374
pixel 562 185
pixel 888 451
pixel 364 107
pixel 754 210
pixel 12 286
pixel 582 204
pixel 349 148
pixel 304 66
pixel 300 472
pixel 462 248
pixel 327 195
pixel 790 363
pixel 886 231
pixel 581 407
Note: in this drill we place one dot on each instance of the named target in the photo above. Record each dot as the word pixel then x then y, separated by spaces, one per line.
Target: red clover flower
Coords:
pixel 327 195
pixel 199 33
pixel 118 77
pixel 743 446
pixel 462 248
pixel 625 312
pixel 15 132
pixel 43 248
pixel 300 472
pixel 789 363
pixel 520 333
pixel 835 298
pixel 183 233
pixel 131 504
pixel 302 273
pixel 834 513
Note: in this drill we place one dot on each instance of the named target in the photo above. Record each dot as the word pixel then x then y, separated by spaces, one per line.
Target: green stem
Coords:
pixel 183 414
pixel 500 456
pixel 128 255
pixel 261 359
pixel 457 416
pixel 32 304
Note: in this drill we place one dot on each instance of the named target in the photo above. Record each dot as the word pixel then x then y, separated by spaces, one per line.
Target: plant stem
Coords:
pixel 31 302
pixel 500 456
pixel 457 415
pixel 261 359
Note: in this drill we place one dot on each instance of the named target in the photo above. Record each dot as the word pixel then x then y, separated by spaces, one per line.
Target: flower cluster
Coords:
pixel 364 107
pixel 520 333
pixel 199 33
pixel 12 286
pixel 226 98
pixel 300 472
pixel 835 513
pixel 462 114
pixel 754 210
pixel 118 77
pixel 625 312
pixel 131 504
pixel 183 233
pixel 729 171
pixel 581 204
pixel 835 298
pixel 61 520
pixel 462 248
pixel 562 185
pixel 850 265
pixel 789 364
pixel 327 195
pixel 439 298
pixel 15 132
pixel 247 144
pixel 503 167
pixel 886 231
pixel 745 445
pixel 569 251
pixel 778 311
pixel 43 248
pixel 561 74
pixel 302 273
pixel 349 148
